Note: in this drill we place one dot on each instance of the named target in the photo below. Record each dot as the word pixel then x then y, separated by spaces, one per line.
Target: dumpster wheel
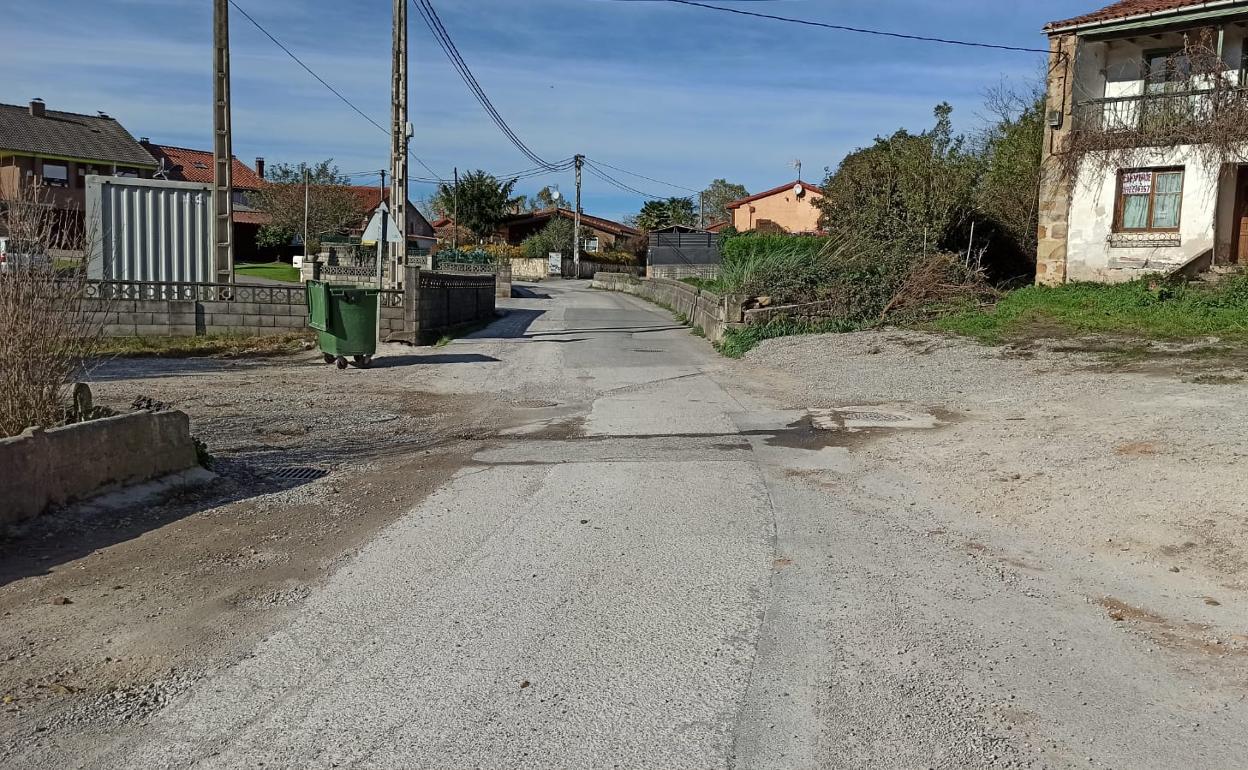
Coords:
pixel 342 362
pixel 329 359
pixel 363 362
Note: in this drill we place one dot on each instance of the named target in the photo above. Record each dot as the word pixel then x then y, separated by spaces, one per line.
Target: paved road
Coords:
pixel 641 575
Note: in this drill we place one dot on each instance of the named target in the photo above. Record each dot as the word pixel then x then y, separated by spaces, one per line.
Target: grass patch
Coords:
pixel 1142 309
pixel 738 342
pixel 276 271
pixel 227 345
pixel 1216 379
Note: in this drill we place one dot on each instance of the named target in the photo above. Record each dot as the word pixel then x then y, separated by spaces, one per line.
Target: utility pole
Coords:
pixel 576 221
pixel 701 215
pixel 399 137
pixel 305 209
pixel 381 242
pixel 455 212
pixel 222 147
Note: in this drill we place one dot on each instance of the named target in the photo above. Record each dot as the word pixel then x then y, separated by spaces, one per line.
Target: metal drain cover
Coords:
pixel 298 474
pixel 856 418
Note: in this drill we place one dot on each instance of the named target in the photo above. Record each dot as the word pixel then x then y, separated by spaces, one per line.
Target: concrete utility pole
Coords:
pixel 576 221
pixel 701 210
pixel 306 201
pixel 399 138
pixel 455 212
pixel 222 147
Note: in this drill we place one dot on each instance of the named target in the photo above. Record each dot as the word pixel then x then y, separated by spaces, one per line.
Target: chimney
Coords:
pixel 144 140
pixel 37 108
pixel 260 167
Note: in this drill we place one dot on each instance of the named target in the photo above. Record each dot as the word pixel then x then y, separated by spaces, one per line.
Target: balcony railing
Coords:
pixel 1160 114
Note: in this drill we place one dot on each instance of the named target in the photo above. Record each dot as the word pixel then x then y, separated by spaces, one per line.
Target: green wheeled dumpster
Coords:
pixel 346 319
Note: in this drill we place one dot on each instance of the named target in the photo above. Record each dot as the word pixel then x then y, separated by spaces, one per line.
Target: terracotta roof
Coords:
pixel 807 186
pixel 715 227
pixel 69 135
pixel 598 223
pixel 1126 9
pixel 251 218
pixel 186 165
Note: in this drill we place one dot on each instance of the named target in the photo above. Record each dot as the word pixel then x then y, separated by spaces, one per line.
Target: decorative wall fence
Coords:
pixel 501 273
pixel 676 272
pixel 436 302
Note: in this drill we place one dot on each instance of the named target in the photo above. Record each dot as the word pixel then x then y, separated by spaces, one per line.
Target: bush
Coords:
pixel 557 235
pixel 613 257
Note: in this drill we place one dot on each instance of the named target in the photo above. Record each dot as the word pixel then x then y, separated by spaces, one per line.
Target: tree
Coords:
pixel 1009 192
pixel 545 199
pixel 907 193
pixel 480 203
pixel 557 236
pixel 657 214
pixel 717 196
pixel 332 205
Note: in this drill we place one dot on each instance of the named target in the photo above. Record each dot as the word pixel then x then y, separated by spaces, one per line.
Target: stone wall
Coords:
pixel 676 272
pixel 530 269
pixel 1056 186
pixel 44 468
pixel 710 312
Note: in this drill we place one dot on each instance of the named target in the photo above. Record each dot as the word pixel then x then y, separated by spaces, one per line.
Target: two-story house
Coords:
pixel 59 150
pixel 1145 168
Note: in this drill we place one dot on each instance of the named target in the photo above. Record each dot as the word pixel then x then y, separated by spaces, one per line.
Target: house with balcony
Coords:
pixel 1146 147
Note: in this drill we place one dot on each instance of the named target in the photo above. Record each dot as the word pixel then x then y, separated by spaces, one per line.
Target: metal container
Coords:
pixel 149 230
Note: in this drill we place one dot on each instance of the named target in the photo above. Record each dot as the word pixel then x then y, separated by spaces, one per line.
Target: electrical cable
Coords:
pixel 443 37
pixel 647 178
pixel 860 30
pixel 322 80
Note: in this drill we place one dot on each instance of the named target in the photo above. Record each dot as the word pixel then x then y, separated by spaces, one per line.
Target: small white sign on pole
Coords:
pixel 372 233
pixel 1137 183
pixel 556 262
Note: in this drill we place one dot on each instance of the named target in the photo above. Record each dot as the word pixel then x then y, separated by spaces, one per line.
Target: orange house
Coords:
pixel 791 207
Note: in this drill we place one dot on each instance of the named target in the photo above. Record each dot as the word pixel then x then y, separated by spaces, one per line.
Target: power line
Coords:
pixel 859 30
pixel 604 176
pixel 430 15
pixel 322 80
pixel 647 178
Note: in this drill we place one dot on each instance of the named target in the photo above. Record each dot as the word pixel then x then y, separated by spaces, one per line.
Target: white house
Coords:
pixel 1139 176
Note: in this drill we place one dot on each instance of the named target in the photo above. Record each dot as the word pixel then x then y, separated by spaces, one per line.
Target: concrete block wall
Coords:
pixel 44 468
pixel 187 318
pixel 708 311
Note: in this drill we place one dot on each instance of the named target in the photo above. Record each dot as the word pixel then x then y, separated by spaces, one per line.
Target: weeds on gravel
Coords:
pixel 1146 308
pixel 738 342
pixel 205 345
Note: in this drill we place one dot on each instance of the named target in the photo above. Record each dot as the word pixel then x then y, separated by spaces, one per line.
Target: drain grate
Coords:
pixel 875 417
pixel 299 474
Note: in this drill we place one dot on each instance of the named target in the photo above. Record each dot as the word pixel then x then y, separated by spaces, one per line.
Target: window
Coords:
pixel 1149 200
pixel 55 175
pixel 591 244
pixel 1166 71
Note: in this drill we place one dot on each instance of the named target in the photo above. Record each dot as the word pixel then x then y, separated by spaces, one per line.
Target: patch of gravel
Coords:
pixel 1133 460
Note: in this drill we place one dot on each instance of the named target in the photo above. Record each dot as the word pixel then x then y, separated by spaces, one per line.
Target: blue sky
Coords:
pixel 673 92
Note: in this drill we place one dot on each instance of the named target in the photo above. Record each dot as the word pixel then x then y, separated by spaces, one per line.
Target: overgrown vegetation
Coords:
pixel 48 330
pixel 1145 308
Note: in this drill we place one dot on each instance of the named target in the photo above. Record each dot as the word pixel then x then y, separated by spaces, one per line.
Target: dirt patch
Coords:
pixel 1192 637
pixel 155 594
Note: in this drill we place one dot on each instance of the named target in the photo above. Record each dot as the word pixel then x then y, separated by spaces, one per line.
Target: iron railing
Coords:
pixel 197 292
pixel 1158 113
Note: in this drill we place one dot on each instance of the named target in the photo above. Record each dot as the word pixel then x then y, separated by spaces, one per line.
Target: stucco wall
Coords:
pixel 52 467
pixel 1093 256
pixel 794 214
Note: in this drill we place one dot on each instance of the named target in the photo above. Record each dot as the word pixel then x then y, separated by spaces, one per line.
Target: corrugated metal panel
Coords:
pixel 149 230
pixel 684 249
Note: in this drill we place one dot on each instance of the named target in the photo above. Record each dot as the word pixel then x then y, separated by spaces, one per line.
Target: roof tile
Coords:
pixel 185 165
pixel 69 135
pixel 1125 9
